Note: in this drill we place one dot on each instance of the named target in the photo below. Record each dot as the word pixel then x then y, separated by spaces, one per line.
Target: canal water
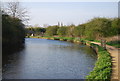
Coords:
pixel 50 59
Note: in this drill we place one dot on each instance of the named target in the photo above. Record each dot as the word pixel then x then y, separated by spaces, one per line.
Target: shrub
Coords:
pixel 102 69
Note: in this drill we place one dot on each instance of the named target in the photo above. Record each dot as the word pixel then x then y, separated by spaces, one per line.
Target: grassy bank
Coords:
pixel 103 66
pixel 114 43
pixel 74 39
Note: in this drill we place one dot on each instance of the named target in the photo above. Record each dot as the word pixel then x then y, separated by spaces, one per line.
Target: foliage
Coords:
pixel 94 29
pixel 62 38
pixel 114 43
pixel 68 38
pixel 13 30
pixel 35 31
pixel 115 26
pixel 51 30
pixel 97 28
pixel 94 40
pixel 79 30
pixel 70 30
pixel 13 34
pixel 102 69
pixel 62 31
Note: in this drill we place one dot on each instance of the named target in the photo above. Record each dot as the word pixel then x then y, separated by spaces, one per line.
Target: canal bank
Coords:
pixel 104 66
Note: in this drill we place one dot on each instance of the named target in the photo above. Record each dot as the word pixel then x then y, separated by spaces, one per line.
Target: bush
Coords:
pixel 102 69
pixel 62 31
pixel 13 32
pixel 51 30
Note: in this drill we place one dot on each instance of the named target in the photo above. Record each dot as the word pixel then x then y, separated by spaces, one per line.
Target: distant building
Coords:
pixel 60 24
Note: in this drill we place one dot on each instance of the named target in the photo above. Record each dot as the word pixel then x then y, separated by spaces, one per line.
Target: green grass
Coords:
pixel 103 66
pixel 114 43
pixel 93 40
pixel 63 38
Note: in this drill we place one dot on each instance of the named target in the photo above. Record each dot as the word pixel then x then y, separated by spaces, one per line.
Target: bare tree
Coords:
pixel 16 10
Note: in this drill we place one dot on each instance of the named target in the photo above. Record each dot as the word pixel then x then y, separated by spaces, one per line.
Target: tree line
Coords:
pixel 35 30
pixel 13 28
pixel 94 29
pixel 13 32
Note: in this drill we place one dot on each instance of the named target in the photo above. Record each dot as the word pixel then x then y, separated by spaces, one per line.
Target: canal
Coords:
pixel 50 59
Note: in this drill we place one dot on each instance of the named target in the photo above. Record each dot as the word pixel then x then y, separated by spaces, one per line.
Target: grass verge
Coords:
pixel 114 43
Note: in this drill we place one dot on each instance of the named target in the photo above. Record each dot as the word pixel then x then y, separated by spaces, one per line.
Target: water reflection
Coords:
pixel 8 52
pixel 50 59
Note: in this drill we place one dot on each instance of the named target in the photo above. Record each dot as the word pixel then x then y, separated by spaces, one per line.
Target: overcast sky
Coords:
pixel 69 12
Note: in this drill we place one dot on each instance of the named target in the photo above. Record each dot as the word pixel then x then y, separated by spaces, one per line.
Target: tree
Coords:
pixel 35 30
pixel 115 26
pixel 62 31
pixel 51 30
pixel 79 30
pixel 12 30
pixel 70 30
pixel 15 10
pixel 97 28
